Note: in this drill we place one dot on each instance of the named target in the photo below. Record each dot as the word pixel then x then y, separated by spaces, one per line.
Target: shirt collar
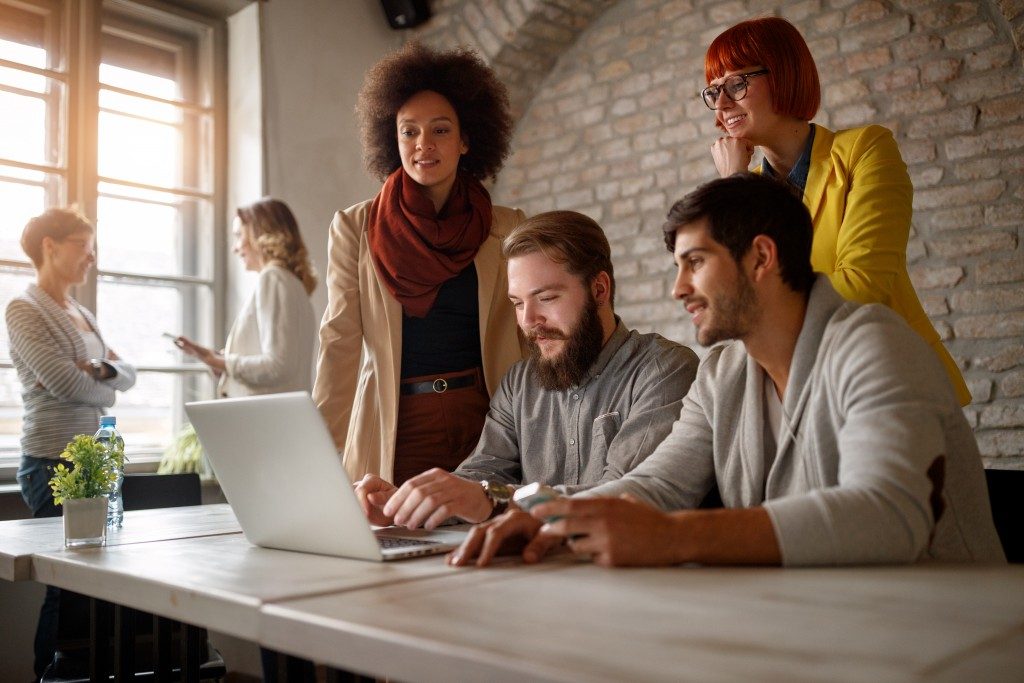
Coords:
pixel 798 175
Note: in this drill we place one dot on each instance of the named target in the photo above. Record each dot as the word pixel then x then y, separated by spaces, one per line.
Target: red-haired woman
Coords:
pixel 763 87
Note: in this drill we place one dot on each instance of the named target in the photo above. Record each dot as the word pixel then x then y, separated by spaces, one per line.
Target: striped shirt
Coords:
pixel 60 399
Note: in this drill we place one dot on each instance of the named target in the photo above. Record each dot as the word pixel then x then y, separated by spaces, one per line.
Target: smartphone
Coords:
pixel 534 494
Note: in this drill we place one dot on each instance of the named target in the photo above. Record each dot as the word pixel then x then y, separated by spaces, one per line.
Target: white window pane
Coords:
pixel 35 141
pixel 20 202
pixel 156 234
pixel 139 151
pixel 151 412
pixel 137 106
pixel 139 81
pixel 23 80
pixel 133 317
pixel 10 413
pixel 23 54
pixel 12 283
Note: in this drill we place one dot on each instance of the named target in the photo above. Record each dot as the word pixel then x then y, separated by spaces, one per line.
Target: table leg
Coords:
pixel 162 649
pixel 191 651
pixel 124 644
pixel 101 617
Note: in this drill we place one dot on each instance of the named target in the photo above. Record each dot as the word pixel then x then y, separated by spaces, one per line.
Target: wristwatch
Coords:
pixel 101 369
pixel 498 494
pixel 97 368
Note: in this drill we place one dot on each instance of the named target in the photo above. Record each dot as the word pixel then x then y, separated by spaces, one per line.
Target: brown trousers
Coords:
pixel 438 429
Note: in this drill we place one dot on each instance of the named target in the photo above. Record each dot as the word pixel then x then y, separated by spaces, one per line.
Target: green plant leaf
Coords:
pixel 95 466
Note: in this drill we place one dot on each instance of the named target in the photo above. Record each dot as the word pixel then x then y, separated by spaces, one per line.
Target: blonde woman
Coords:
pixel 270 346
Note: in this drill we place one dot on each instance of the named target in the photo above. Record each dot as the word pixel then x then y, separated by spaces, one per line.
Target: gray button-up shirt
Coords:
pixel 591 433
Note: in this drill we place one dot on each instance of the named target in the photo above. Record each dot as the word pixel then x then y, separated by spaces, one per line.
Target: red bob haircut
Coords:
pixel 774 44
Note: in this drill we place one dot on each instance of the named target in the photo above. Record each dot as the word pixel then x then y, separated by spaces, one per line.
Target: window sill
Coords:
pixel 138 463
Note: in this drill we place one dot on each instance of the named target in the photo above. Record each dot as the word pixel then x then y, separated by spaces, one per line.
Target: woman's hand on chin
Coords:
pixel 732 155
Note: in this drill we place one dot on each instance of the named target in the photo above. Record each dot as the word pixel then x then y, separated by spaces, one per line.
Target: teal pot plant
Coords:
pixel 82 489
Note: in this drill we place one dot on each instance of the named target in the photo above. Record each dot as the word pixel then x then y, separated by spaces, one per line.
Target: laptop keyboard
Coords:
pixel 389 542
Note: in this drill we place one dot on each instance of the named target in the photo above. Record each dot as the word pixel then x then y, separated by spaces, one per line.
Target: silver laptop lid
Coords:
pixel 276 463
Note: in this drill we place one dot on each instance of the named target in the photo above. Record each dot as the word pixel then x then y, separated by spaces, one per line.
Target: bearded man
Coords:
pixel 590 403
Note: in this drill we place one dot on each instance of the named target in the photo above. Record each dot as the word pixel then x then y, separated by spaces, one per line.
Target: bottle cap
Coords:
pixel 108 421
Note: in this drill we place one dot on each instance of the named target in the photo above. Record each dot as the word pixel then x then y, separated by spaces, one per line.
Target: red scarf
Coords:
pixel 417 249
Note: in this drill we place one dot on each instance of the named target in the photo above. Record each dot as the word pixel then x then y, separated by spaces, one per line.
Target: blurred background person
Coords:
pixel 68 376
pixel 763 87
pixel 271 344
pixel 419 330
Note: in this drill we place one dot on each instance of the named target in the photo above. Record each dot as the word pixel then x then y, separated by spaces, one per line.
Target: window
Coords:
pixel 121 122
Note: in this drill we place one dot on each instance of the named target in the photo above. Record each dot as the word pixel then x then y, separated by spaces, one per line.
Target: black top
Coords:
pixel 448 338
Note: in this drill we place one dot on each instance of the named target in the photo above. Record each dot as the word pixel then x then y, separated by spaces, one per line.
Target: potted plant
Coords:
pixel 82 489
pixel 184 454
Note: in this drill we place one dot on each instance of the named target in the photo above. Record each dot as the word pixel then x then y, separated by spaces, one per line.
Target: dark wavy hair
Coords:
pixel 741 207
pixel 480 100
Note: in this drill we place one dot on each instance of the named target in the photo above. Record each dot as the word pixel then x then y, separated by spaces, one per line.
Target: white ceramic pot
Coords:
pixel 85 522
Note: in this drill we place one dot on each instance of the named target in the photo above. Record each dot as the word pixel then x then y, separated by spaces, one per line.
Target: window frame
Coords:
pixel 78 43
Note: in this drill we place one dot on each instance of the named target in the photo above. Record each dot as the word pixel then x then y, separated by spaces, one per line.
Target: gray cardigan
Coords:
pixel 867 411
pixel 60 399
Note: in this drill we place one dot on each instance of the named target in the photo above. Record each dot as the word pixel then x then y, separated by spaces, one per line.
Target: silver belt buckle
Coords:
pixel 440 386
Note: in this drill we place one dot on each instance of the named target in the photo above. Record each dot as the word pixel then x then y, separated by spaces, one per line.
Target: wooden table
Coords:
pixel 570 622
pixel 419 620
pixel 219 582
pixel 21 538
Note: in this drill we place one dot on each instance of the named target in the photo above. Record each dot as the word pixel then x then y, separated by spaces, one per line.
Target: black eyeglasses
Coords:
pixel 734 86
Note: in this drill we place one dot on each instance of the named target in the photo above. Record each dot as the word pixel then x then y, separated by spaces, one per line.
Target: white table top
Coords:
pixel 573 622
pixel 217 581
pixel 20 538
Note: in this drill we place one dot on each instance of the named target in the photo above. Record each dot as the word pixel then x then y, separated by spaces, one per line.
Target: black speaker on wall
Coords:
pixel 405 13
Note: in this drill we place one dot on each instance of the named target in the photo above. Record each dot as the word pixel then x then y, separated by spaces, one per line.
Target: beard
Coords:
pixel 732 314
pixel 583 344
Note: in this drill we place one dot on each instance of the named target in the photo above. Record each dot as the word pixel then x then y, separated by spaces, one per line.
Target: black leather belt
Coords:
pixel 438 386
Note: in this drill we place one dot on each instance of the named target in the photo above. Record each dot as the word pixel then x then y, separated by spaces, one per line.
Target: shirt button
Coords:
pixel 572 442
pixel 576 396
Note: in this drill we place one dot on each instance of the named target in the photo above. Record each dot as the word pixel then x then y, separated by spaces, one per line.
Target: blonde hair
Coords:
pixel 274 234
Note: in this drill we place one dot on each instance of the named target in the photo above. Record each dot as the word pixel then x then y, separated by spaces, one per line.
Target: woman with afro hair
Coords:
pixel 419 329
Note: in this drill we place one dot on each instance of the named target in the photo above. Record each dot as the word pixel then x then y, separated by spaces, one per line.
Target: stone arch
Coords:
pixel 521 39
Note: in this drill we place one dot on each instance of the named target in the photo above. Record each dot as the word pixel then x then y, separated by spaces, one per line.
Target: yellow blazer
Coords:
pixel 359 365
pixel 860 198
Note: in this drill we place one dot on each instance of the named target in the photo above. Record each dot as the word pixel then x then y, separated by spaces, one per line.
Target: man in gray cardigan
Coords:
pixel 829 427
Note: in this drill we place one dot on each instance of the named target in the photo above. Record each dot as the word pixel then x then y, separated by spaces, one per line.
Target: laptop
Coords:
pixel 277 465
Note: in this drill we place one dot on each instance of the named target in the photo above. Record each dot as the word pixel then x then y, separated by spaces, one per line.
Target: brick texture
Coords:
pixel 609 123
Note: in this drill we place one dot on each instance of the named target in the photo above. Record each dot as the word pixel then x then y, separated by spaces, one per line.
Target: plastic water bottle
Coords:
pixel 107 433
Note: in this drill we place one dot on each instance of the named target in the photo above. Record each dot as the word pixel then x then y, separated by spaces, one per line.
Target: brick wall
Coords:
pixel 609 124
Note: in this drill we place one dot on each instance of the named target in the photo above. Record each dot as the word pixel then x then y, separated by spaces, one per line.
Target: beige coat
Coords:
pixel 359 366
